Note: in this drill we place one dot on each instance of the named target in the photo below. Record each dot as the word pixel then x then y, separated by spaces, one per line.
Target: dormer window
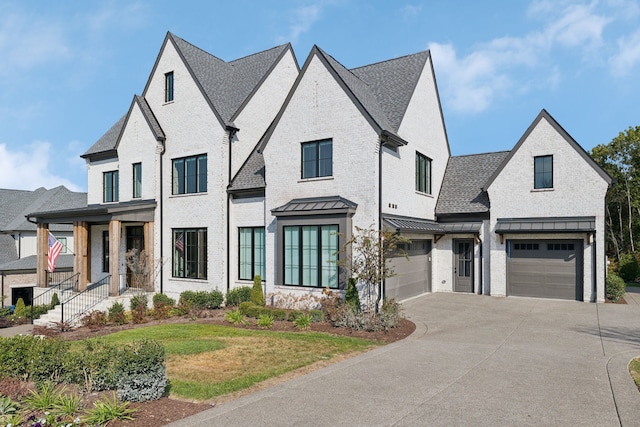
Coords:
pixel 168 87
pixel 543 172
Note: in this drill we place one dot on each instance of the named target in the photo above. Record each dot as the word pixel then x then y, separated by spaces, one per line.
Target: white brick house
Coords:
pixel 224 170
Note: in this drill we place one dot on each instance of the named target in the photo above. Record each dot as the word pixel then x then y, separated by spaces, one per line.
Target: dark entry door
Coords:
pixel 135 263
pixel 463 265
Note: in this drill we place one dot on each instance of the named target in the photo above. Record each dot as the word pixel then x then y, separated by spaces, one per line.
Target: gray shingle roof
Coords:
pixel 228 84
pixel 464 178
pixel 8 250
pixel 251 174
pixel 30 263
pixel 108 141
pixel 16 204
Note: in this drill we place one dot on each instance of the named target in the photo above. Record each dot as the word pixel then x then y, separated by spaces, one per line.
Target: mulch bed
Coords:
pixel 166 410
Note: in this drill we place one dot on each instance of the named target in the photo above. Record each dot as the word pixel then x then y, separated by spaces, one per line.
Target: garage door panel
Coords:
pixel 547 269
pixel 412 276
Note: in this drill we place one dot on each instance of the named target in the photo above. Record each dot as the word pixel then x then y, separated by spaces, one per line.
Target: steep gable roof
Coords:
pixel 564 134
pixel 107 145
pixel 461 191
pixel 250 176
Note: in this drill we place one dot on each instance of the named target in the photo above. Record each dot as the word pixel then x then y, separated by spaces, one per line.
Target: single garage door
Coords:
pixel 413 276
pixel 545 268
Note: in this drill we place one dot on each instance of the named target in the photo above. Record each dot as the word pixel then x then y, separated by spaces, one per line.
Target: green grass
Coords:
pixel 634 370
pixel 206 361
pixel 633 284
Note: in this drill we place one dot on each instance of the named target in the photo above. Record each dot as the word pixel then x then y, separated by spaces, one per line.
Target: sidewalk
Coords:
pixel 632 296
pixel 16 330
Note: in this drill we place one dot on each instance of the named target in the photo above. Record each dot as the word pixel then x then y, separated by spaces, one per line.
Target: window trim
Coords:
pixel 254 272
pixel 423 167
pixel 169 86
pixel 318 248
pixel 543 173
pixel 317 160
pixel 136 191
pixel 179 270
pixel 200 186
pixel 114 186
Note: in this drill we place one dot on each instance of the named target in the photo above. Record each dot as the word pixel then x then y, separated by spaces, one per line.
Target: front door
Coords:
pixel 463 265
pixel 135 262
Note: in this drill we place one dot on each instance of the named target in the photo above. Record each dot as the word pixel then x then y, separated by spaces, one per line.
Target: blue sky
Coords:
pixel 70 68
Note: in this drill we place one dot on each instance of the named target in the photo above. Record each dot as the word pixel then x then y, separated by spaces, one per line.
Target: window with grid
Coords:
pixel 110 187
pixel 252 253
pixel 543 172
pixel 311 255
pixel 190 253
pixel 137 180
pixel 190 175
pixel 317 159
pixel 423 173
pixel 168 87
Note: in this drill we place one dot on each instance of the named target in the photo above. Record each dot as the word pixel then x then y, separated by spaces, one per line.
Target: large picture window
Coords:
pixel 543 172
pixel 190 175
pixel 317 159
pixel 423 173
pixel 311 255
pixel 110 187
pixel 190 253
pixel 252 253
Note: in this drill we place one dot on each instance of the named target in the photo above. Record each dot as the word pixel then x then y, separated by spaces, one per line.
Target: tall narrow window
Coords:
pixel 137 180
pixel 168 87
pixel 105 251
pixel 110 187
pixel 190 253
pixel 423 173
pixel 63 240
pixel 543 172
pixel 310 255
pixel 317 159
pixel 190 175
pixel 252 253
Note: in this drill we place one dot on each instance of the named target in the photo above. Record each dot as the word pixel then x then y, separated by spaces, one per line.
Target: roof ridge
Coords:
pixel 280 46
pixel 422 52
pixel 198 48
pixel 481 154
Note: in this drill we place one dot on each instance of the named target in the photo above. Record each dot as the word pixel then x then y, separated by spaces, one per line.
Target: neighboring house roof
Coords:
pixel 250 177
pixel 16 204
pixel 30 263
pixel 572 142
pixel 108 143
pixel 8 250
pixel 461 191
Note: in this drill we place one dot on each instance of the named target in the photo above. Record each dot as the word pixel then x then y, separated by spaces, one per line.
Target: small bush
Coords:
pixel 615 287
pixel 245 306
pixel 351 296
pixel 161 310
pixel 138 301
pixel 628 267
pixel 234 317
pixel 141 372
pixel 294 314
pixel 316 315
pixel 116 314
pixel 164 299
pixel 257 296
pixel 303 321
pixel 265 320
pixel 201 300
pixel 94 319
pixel 279 314
pixel 20 310
pixel 55 300
pixel 107 410
pixel 139 314
pixel 238 295
pixel 390 314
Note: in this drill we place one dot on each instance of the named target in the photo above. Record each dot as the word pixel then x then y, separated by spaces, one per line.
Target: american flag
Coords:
pixel 180 243
pixel 55 247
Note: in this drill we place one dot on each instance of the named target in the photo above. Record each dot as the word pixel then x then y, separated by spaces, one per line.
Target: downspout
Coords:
pixel 2 297
pixel 232 129
pixel 480 268
pixel 164 149
pixel 382 284
pixel 594 270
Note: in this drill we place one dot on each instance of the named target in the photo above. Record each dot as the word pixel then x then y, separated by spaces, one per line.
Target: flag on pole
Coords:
pixel 55 247
pixel 180 243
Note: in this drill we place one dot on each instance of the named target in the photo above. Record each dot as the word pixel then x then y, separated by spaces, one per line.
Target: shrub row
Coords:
pixel 249 309
pixel 136 370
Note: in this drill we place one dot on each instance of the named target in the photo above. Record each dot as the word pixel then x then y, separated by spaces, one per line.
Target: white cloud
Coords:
pixel 29 169
pixel 302 19
pixel 409 11
pixel 627 55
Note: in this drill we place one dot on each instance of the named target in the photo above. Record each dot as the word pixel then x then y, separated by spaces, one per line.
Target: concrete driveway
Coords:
pixel 473 360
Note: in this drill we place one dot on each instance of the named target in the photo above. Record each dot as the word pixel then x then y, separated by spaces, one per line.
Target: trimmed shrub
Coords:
pixel 238 295
pixel 21 309
pixel 628 267
pixel 94 319
pixel 615 287
pixel 55 300
pixel 33 358
pixel 141 373
pixel 245 306
pixel 294 314
pixel 138 301
pixel 164 299
pixel 351 296
pixel 139 314
pixel 201 300
pixel 316 315
pixel 116 313
pixel 279 314
pixel 390 314
pixel 257 296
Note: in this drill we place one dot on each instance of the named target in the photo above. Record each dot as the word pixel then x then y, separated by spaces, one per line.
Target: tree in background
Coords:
pixel 621 159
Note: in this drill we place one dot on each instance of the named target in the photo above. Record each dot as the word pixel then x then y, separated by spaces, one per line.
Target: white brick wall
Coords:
pixel 245 212
pixel 95 170
pixel 578 191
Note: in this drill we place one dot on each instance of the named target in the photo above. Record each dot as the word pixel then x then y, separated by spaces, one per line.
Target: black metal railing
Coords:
pixel 70 283
pixel 58 277
pixel 80 303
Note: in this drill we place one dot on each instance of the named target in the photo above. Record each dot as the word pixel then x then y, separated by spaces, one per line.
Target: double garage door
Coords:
pixel 545 268
pixel 413 276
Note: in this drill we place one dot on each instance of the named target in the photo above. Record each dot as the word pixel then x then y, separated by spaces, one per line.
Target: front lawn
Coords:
pixel 634 370
pixel 205 360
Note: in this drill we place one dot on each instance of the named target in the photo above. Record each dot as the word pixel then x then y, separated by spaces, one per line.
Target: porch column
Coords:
pixel 147 232
pixel 114 257
pixel 82 258
pixel 42 242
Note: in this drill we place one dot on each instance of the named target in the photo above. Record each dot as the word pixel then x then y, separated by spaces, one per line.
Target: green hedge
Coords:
pixel 239 295
pixel 201 300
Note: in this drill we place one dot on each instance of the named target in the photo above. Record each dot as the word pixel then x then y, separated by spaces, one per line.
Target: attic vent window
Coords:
pixel 168 87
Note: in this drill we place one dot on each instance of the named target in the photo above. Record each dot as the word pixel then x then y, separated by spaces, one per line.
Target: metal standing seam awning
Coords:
pixel 418 225
pixel 584 224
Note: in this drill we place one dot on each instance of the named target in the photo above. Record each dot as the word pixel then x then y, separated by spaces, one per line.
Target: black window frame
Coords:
pixel 542 179
pixel 168 87
pixel 105 251
pixel 255 270
pixel 181 184
pixel 423 173
pixel 110 184
pixel 318 249
pixel 316 166
pixel 136 191
pixel 193 263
